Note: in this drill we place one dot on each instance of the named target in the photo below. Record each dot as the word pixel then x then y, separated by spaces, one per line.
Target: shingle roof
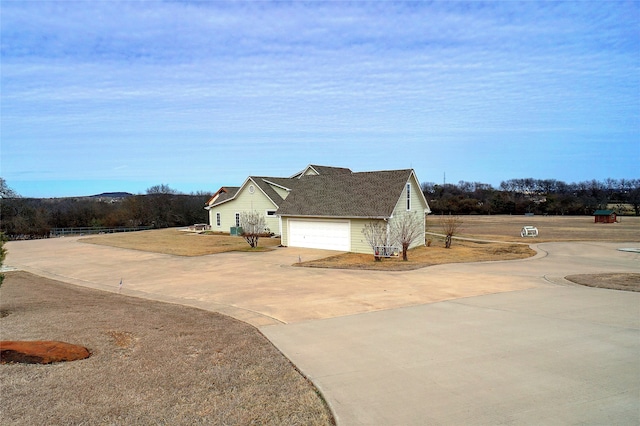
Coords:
pixel 284 182
pixel 365 194
pixel 263 183
pixel 328 170
pixel 322 170
pixel 226 193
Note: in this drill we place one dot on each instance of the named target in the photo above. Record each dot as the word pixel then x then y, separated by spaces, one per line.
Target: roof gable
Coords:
pixel 315 170
pixel 364 194
pixel 335 192
pixel 223 194
pixel 416 182
pixel 264 184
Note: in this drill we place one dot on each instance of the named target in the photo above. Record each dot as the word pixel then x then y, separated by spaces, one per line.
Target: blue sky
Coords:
pixel 120 96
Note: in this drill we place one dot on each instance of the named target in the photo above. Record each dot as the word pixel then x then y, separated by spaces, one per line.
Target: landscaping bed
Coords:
pixel 420 257
pixel 616 281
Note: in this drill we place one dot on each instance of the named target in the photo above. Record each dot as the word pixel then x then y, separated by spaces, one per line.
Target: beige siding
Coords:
pixel 310 172
pixel 280 191
pixel 417 205
pixel 243 202
pixel 284 236
pixel 359 243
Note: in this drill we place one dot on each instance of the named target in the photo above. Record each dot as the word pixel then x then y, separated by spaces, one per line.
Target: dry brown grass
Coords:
pixel 627 282
pixel 151 363
pixel 551 228
pixel 180 243
pixel 491 228
pixel 460 251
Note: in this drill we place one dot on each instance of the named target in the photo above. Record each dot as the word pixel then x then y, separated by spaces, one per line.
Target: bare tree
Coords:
pixel 253 227
pixel 163 188
pixel 375 233
pixel 450 226
pixel 407 229
pixel 5 191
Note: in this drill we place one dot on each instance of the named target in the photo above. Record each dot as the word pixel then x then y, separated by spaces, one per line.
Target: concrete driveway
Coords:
pixel 506 342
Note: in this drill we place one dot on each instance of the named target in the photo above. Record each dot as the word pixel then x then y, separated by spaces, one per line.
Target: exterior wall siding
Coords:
pixel 281 192
pixel 417 205
pixel 359 243
pixel 284 235
pixel 244 202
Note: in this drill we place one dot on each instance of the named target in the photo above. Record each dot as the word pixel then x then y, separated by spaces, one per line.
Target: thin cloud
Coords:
pixel 110 78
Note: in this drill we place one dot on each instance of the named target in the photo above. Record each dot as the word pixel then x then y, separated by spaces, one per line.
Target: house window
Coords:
pixel 237 219
pixel 218 219
pixel 408 196
pixel 271 212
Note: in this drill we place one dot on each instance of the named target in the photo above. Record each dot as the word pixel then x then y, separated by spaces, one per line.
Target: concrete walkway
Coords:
pixel 484 343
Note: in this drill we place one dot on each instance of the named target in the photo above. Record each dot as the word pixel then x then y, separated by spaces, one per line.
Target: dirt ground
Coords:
pixel 151 363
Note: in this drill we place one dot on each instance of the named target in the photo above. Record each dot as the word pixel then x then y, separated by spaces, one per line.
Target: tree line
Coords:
pixel 163 207
pixel 538 196
pixel 160 207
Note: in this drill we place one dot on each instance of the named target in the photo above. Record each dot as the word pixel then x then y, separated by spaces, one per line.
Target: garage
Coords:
pixel 320 234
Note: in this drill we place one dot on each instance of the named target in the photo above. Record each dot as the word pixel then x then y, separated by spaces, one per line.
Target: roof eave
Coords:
pixel 275 184
pixel 333 216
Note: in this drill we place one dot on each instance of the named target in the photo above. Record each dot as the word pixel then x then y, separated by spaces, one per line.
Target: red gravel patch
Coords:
pixel 40 352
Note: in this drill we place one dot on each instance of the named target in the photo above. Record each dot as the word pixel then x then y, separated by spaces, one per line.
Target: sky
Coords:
pixel 102 96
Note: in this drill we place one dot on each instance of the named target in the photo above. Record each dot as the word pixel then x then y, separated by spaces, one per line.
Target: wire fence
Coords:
pixel 84 230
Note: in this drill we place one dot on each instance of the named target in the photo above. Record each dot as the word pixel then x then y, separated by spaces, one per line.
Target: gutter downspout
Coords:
pixel 386 219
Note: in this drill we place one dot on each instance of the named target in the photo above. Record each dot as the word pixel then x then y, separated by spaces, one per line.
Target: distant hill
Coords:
pixel 112 195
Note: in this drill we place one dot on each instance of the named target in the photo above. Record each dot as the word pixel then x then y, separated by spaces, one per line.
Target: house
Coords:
pixel 322 207
pixel 605 216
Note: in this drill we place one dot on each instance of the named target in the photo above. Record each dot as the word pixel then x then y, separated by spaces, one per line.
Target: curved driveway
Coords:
pixel 508 342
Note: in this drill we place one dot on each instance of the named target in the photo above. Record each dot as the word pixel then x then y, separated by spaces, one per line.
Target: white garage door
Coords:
pixel 320 234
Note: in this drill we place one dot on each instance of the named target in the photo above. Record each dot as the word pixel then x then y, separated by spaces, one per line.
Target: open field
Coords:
pixel 505 229
pixel 551 228
pixel 180 243
pixel 176 242
pixel 151 363
pixel 491 228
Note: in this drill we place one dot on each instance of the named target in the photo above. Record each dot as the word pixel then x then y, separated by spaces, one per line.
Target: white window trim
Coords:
pixel 273 212
pixel 237 219
pixel 408 196
pixel 218 219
